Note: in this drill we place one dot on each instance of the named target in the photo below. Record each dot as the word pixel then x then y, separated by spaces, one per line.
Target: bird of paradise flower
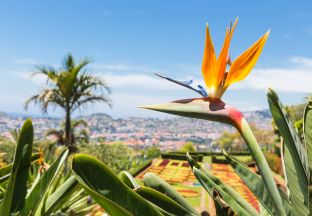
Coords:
pixel 219 73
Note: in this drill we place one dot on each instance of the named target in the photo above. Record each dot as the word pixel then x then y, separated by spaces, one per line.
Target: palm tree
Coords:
pixel 69 88
pixel 79 132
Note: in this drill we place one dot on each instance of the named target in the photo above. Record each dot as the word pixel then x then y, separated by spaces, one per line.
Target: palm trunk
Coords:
pixel 68 140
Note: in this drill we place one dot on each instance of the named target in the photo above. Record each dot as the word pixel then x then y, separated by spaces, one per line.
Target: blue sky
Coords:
pixel 128 41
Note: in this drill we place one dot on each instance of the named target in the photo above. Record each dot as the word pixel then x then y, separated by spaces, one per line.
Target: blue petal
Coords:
pixel 203 91
pixel 184 84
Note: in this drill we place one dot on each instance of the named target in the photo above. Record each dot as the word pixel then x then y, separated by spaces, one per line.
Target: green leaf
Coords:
pixel 155 182
pixel 210 185
pixel 224 188
pixel 263 211
pixel 62 193
pixel 128 179
pixel 256 185
pixel 37 195
pixel 307 129
pixel 14 197
pixel 107 189
pixel 295 156
pixel 162 201
pixel 78 195
pixel 5 171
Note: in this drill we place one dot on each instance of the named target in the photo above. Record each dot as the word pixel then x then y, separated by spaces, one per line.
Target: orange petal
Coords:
pixel 224 54
pixel 209 65
pixel 245 62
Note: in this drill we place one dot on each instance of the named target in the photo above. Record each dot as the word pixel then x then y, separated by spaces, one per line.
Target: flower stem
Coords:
pixel 262 165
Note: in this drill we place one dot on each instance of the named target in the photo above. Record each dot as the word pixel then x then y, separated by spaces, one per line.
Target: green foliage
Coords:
pixel 274 162
pixel 299 127
pixel 188 147
pixel 7 148
pixel 232 141
pixel 37 196
pixel 79 132
pixel 295 112
pixel 44 195
pixel 151 152
pixel 55 191
pixel 5 171
pixel 113 195
pixel 139 168
pixel 225 141
pixel 117 156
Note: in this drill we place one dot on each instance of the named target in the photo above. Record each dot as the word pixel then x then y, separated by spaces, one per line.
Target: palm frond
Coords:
pixel 91 99
pixel 68 62
pixel 54 132
pixel 50 72
pixel 79 122
pixel 46 98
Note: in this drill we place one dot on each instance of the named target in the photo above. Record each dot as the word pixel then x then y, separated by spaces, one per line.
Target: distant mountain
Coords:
pixel 250 115
pixel 261 113
pixel 2 114
pixel 100 116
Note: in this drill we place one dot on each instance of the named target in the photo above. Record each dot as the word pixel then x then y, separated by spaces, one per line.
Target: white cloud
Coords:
pixel 37 79
pixel 25 61
pixel 296 77
pixel 110 68
pixel 142 81
pixel 127 104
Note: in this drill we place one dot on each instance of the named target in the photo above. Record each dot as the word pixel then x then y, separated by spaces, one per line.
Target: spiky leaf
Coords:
pixel 35 198
pixel 17 188
pixel 155 182
pixel 107 189
pixel 162 201
pixel 295 156
pixel 128 179
pixel 256 185
pixel 56 199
